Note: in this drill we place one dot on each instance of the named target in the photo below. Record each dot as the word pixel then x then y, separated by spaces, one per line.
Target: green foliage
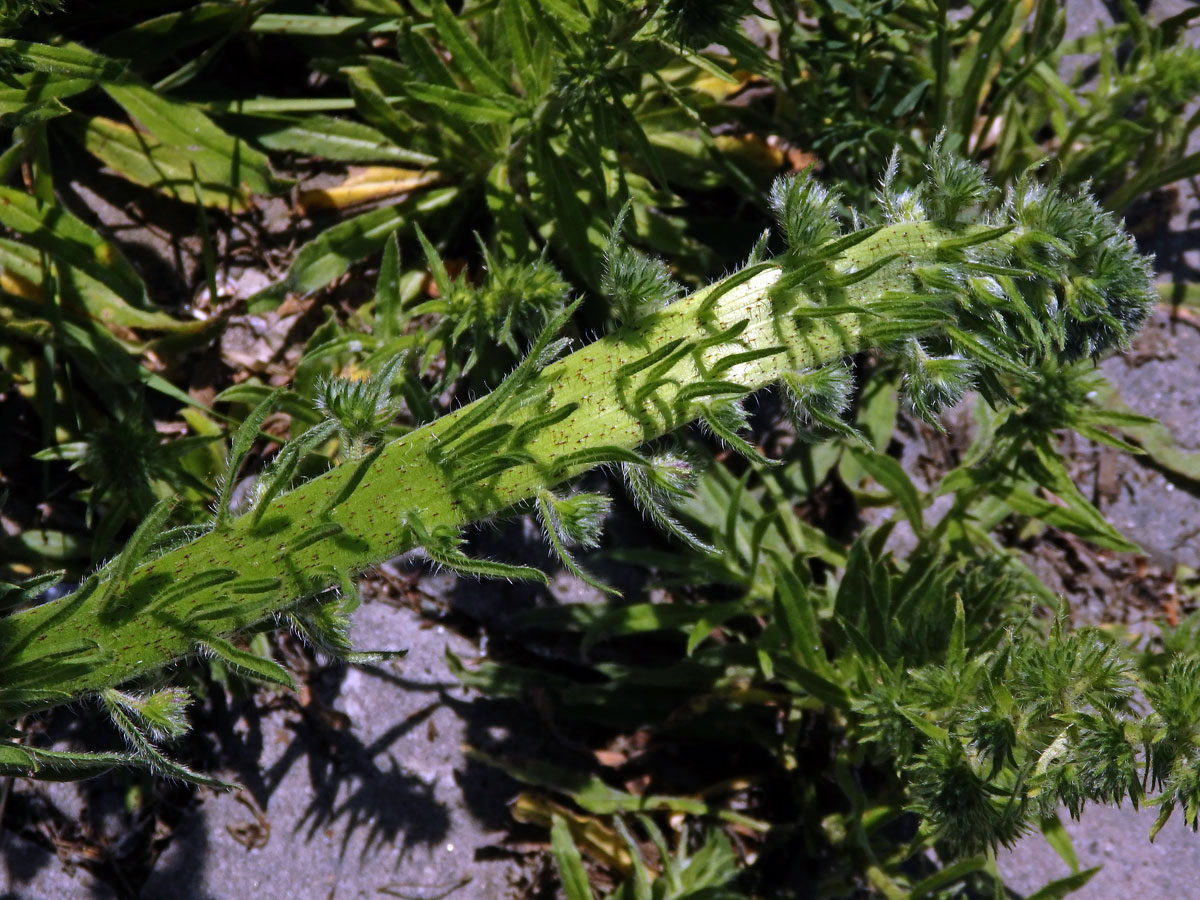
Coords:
pixel 539 427
pixel 701 875
pixel 940 689
pixel 359 409
pixel 880 692
pixel 862 78
pixel 634 284
pixel 534 152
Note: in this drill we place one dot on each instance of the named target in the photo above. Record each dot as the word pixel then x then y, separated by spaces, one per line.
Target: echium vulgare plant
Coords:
pixel 968 291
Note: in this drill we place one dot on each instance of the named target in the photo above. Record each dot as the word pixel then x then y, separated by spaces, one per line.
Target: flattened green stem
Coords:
pixel 593 406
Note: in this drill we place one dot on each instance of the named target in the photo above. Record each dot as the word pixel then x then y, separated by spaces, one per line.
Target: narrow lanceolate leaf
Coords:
pixel 32 90
pixel 248 663
pixel 322 26
pixel 570 863
pixel 145 750
pixel 16 594
pixel 58 765
pixel 553 418
pixel 69 60
pixel 22 272
pixel 219 157
pixel 135 549
pixel 465 54
pixel 144 159
pixel 67 238
pixel 243 440
pixel 556 534
pixel 467 107
pixel 333 138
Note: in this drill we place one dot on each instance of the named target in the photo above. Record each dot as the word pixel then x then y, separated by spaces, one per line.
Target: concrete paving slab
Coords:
pixel 369 795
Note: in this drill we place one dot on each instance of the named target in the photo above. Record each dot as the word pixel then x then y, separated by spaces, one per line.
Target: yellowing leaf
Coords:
pixel 19 286
pixel 365 185
pixel 21 275
pixel 720 88
pixel 595 838
pixel 750 149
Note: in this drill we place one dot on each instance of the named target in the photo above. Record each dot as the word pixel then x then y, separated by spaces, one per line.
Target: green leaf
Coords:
pixel 956 653
pixel 797 617
pixel 153 40
pixel 332 138
pixel 981 352
pixel 465 54
pixel 378 110
pixel 1056 890
pixel 134 551
pixel 1069 518
pixel 1154 439
pixel 570 864
pixel 56 231
pixel 144 160
pixel 892 477
pixel 69 60
pixel 652 501
pixel 1059 839
pixel 568 212
pixel 191 585
pixel 433 259
pixel 947 876
pixel 459 562
pixel 219 158
pixel 99 301
pixel 323 25
pixel 564 12
pixel 528 72
pixel 702 389
pixel 589 792
pixel 845 8
pixel 114 702
pixel 314 535
pixel 30 113
pixel 712 616
pixel 556 534
pixel 471 108
pixel 248 663
pixel 1059 481
pixel 57 765
pixel 387 291
pixel 243 440
pixel 644 618
pixel 329 255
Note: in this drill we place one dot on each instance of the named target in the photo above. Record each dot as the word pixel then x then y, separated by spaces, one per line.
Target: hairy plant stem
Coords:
pixel 590 408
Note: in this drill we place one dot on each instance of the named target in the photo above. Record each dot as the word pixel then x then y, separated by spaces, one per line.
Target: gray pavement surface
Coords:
pixel 1116 840
pixel 367 797
pixel 385 806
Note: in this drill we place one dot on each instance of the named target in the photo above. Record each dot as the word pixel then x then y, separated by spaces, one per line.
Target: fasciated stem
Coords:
pixel 926 285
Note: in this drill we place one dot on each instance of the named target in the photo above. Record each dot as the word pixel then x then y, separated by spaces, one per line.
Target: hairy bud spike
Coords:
pixel 821 397
pixel 634 283
pixel 932 384
pixel 360 408
pixel 805 211
pixel 901 207
pixel 575 520
pixel 667 476
pixel 955 184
